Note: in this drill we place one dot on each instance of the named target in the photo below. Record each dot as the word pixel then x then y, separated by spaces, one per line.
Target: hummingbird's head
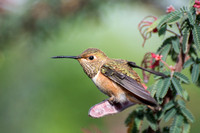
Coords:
pixel 91 60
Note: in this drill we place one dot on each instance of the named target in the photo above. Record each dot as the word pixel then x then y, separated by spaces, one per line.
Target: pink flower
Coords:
pixel 157 60
pixel 145 87
pixel 197 6
pixel 156 57
pixel 170 9
pixel 197 2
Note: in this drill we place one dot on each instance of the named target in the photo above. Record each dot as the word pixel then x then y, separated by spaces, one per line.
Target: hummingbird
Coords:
pixel 115 77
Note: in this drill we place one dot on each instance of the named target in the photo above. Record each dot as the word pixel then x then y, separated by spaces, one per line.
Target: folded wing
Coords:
pixel 129 84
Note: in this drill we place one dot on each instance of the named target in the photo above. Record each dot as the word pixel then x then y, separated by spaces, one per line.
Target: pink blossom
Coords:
pixel 170 9
pixel 197 2
pixel 197 6
pixel 145 87
pixel 157 57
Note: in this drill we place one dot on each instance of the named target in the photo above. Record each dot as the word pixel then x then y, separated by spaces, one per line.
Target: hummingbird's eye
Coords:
pixel 91 57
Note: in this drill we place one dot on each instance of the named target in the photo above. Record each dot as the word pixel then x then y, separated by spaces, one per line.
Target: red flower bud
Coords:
pixel 155 30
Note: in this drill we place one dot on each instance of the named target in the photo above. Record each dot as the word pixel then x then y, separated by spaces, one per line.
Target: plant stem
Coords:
pixel 173 33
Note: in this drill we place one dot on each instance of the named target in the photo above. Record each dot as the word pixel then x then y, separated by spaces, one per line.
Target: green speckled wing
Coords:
pixel 128 82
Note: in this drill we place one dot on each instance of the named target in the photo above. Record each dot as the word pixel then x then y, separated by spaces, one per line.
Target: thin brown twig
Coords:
pixel 173 33
pixel 179 28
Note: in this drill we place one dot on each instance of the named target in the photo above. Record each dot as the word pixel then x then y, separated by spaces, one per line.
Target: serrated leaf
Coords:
pixel 186 35
pixel 167 73
pixel 176 45
pixel 165 42
pixel 151 121
pixel 165 88
pixel 188 63
pixel 169 105
pixel 176 124
pixel 169 114
pixel 177 86
pixel 135 119
pixel 170 18
pixel 185 95
pixel 165 51
pixel 191 3
pixel 154 89
pixel 154 25
pixel 186 127
pixel 187 114
pixel 190 17
pixel 195 73
pixel 130 118
pixel 162 31
pixel 159 87
pixel 182 77
pixel 181 103
pixel 196 35
pixel 160 115
pixel 150 88
pixel 137 123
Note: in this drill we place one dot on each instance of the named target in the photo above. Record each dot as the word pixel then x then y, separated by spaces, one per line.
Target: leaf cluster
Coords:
pixel 183 48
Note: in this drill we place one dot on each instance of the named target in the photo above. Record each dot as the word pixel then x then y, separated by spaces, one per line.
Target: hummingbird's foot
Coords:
pixel 112 100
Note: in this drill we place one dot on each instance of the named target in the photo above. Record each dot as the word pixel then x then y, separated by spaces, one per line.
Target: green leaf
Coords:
pixel 165 42
pixel 186 35
pixel 160 115
pixel 165 51
pixel 196 35
pixel 162 31
pixel 195 72
pixel 182 77
pixel 176 45
pixel 151 121
pixel 188 63
pixel 159 87
pixel 137 123
pixel 155 24
pixel 191 3
pixel 181 103
pixel 130 117
pixel 170 18
pixel 177 86
pixel 176 124
pixel 186 127
pixel 154 89
pixel 165 88
pixel 150 88
pixel 169 105
pixel 135 118
pixel 187 114
pixel 190 17
pixel 169 114
pixel 185 95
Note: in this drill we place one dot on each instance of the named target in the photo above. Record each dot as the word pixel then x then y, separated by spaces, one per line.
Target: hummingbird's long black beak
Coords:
pixel 71 57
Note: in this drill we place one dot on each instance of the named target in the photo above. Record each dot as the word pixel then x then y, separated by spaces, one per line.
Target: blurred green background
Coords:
pixel 42 95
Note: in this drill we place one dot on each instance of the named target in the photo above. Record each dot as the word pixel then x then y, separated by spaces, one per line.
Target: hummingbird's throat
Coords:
pixel 91 69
